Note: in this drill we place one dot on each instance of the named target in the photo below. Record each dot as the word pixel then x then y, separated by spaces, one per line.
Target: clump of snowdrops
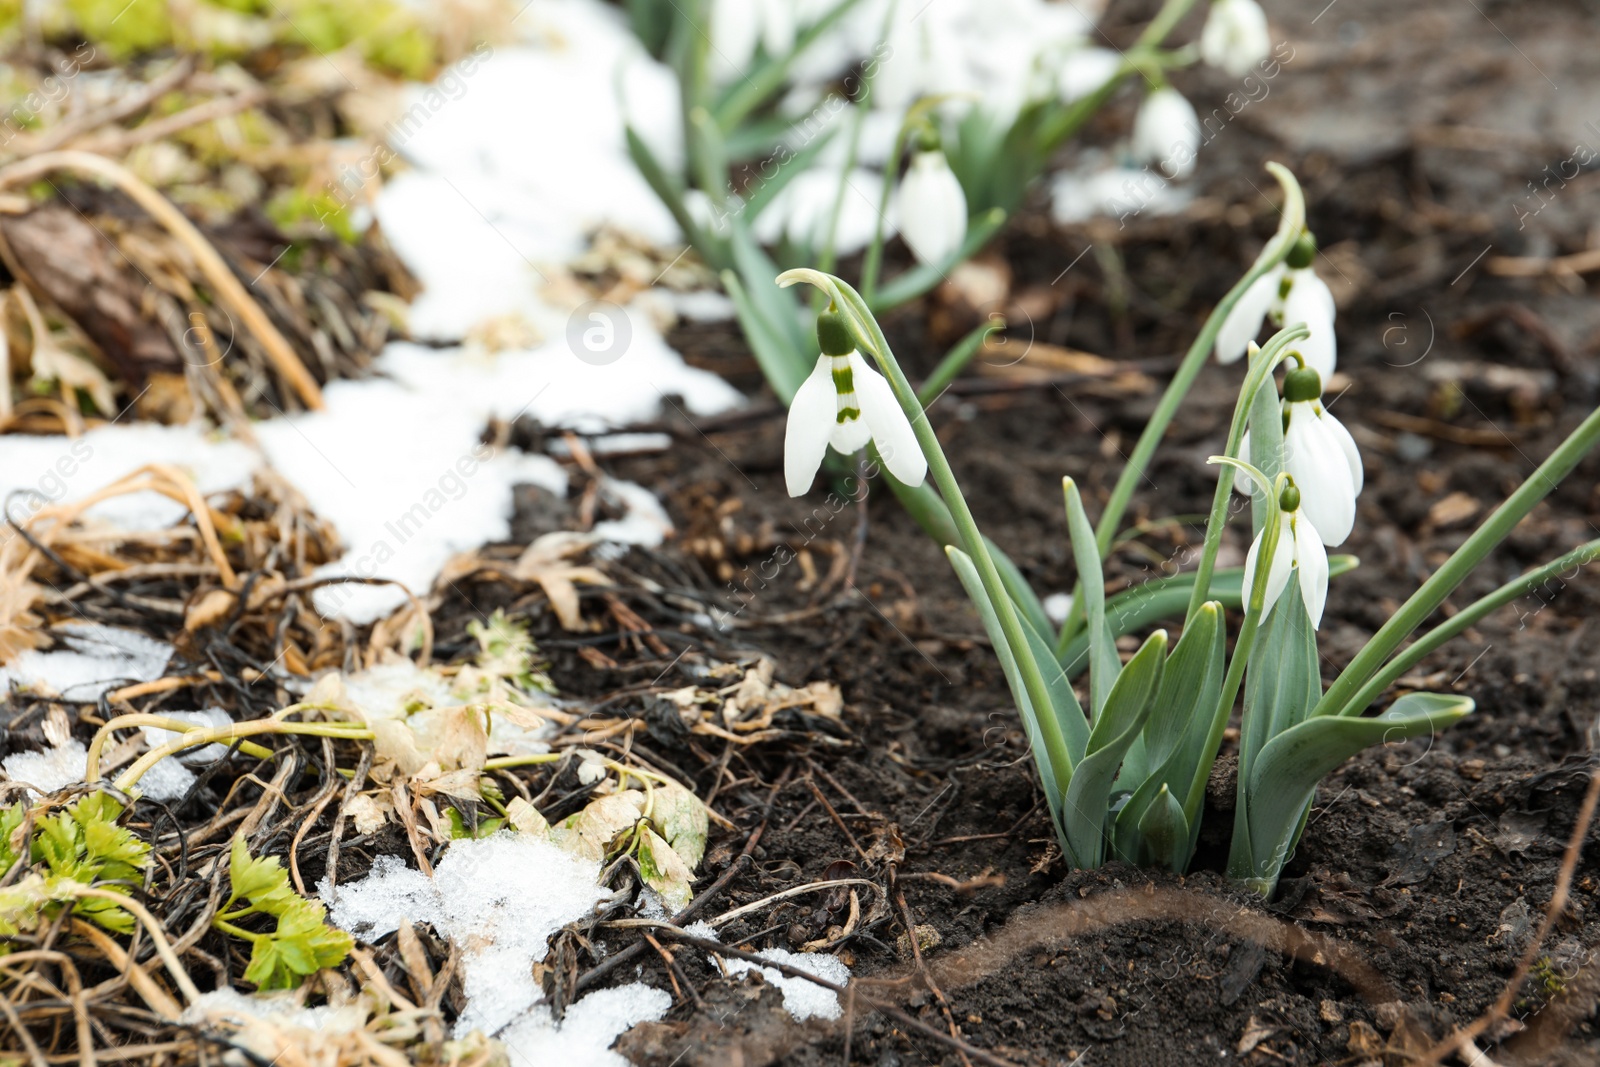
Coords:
pixel 1125 771
pixel 787 102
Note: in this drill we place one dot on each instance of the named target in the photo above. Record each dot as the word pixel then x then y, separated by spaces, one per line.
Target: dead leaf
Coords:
pixel 210 609
pixel 682 820
pixel 665 871
pixel 590 832
pixel 525 818
pixel 1456 508
pixel 545 562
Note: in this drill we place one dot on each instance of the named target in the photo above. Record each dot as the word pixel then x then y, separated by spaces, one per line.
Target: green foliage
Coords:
pixel 301 941
pixel 81 843
pixel 125 28
pixel 297 211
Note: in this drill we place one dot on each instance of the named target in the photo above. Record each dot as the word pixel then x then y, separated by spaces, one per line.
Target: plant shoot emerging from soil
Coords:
pixel 1125 776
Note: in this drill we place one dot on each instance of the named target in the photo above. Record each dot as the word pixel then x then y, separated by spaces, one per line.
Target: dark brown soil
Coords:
pixel 1432 861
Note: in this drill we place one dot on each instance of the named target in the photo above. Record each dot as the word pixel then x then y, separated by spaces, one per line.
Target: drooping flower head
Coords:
pixel 1235 37
pixel 1290 293
pixel 1166 132
pixel 933 209
pixel 1319 455
pixel 1299 553
pixel 846 403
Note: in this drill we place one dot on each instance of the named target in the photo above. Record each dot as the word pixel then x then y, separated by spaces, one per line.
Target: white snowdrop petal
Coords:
pixel 1311 561
pixel 1277 571
pixel 777 27
pixel 1347 445
pixel 1084 71
pixel 1310 302
pixel 932 209
pixel 891 430
pixel 1320 470
pixel 1242 482
pixel 735 30
pixel 811 420
pixel 850 436
pixel 1244 321
pixel 1166 132
pixel 1236 36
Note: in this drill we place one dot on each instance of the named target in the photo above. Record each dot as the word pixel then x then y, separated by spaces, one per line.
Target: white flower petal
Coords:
pixel 1310 302
pixel 850 436
pixel 1242 482
pixel 891 430
pixel 1278 570
pixel 1166 132
pixel 1244 321
pixel 933 209
pixel 1347 445
pixel 1236 36
pixel 811 423
pixel 1084 71
pixel 735 29
pixel 777 27
pixel 1317 463
pixel 1311 561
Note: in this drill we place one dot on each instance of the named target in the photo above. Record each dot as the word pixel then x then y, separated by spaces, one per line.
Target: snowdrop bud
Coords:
pixel 1235 37
pixel 1166 132
pixel 933 209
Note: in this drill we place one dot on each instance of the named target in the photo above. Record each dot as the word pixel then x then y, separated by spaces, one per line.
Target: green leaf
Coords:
pixel 1289 767
pixel 1104 664
pixel 1174 745
pixel 762 194
pixel 1161 598
pixel 10 821
pixel 1284 677
pixel 1164 832
pixel 1127 706
pixel 262 881
pixel 301 943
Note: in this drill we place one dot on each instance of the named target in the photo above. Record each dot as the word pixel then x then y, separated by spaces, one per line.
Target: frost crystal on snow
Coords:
pixel 584 1035
pixel 802 999
pixel 91 660
pixel 49 770
pixel 500 899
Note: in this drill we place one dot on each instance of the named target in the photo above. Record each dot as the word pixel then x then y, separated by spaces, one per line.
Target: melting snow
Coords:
pixel 801 999
pixel 49 770
pixel 500 899
pixel 92 660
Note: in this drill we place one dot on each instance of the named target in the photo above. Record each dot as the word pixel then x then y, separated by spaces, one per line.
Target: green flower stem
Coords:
pixel 1467 616
pixel 1261 369
pixel 128 722
pixel 502 763
pixel 1289 229
pixel 224 734
pixel 873 263
pixel 1540 484
pixel 865 327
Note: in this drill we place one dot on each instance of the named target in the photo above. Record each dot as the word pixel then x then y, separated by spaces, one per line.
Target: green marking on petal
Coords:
pixel 844 380
pixel 849 415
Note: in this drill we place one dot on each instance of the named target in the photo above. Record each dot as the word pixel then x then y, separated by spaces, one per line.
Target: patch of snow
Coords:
pixel 167 781
pixel 585 1035
pixel 499 898
pixel 1057 606
pixel 94 659
pixel 802 999
pixel 50 769
pixel 36 471
pixel 613 444
pixel 703 305
pixel 155 737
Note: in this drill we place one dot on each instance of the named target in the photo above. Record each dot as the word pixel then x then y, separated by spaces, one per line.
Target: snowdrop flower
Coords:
pixel 1290 293
pixel 1321 457
pixel 1299 552
pixel 933 209
pixel 1319 454
pixel 737 26
pixel 846 403
pixel 1166 132
pixel 1084 71
pixel 1235 37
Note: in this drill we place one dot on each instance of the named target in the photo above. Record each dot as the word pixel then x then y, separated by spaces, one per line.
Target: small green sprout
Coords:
pixel 301 942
